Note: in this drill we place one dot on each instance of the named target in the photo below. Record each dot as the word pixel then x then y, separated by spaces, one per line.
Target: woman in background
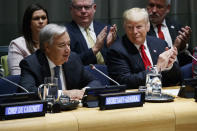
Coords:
pixel 35 18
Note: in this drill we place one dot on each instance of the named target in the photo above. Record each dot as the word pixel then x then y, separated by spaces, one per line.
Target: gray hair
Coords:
pixel 48 32
pixel 71 2
pixel 168 2
pixel 136 14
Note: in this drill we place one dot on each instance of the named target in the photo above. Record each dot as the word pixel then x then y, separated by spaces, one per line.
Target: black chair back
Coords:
pixel 99 76
pixel 9 88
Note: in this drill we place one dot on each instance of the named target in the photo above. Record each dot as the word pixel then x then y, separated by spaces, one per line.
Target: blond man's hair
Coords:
pixel 136 14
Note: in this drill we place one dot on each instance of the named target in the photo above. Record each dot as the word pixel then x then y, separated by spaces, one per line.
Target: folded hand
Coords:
pixel 74 94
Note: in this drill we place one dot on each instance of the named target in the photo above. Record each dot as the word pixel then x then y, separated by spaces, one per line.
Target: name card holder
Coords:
pixel 91 95
pixel 121 100
pixel 22 109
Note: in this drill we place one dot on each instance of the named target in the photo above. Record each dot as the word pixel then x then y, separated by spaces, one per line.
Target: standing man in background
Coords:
pixel 168 30
pixel 89 38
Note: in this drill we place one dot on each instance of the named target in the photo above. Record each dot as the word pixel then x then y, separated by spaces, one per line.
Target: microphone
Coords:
pixel 5 79
pixel 94 68
pixel 189 54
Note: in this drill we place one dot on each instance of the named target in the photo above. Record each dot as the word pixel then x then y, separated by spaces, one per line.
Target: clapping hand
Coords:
pixel 183 38
pixel 100 40
pixel 167 58
pixel 111 37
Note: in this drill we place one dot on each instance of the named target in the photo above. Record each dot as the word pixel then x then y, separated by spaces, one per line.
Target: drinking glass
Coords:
pixel 51 84
pixel 153 83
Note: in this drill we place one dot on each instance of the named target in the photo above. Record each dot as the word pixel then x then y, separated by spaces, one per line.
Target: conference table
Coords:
pixel 179 115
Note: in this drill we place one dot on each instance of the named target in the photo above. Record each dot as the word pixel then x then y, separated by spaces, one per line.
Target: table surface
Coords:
pixel 180 115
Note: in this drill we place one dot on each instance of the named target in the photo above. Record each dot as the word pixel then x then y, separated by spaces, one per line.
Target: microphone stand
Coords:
pixel 94 68
pixel 14 84
pixel 189 54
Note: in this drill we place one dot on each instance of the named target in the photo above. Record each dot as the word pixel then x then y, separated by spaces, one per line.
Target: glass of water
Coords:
pixel 153 82
pixel 51 89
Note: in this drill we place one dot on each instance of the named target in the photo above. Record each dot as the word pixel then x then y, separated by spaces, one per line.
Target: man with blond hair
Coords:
pixel 130 58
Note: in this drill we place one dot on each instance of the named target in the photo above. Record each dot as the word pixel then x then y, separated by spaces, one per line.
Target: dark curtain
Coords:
pixel 108 11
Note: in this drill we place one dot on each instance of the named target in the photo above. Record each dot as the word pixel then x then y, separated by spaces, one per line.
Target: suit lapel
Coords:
pixel 152 31
pixel 68 73
pixel 97 28
pixel 172 30
pixel 134 54
pixel 79 35
pixel 153 50
pixel 44 64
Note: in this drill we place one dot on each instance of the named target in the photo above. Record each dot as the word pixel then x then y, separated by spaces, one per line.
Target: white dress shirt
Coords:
pixel 146 50
pixel 164 29
pixel 92 34
pixel 62 77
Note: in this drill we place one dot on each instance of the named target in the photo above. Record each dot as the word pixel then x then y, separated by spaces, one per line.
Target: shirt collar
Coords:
pixel 163 24
pixel 51 64
pixel 138 46
pixel 90 27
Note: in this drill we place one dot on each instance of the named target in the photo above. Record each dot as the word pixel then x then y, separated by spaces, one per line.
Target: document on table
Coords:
pixel 173 92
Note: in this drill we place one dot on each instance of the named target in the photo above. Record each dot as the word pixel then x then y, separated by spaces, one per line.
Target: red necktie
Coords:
pixel 144 57
pixel 160 33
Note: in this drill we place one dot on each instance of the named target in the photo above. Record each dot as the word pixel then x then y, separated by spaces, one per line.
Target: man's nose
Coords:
pixel 154 9
pixel 135 30
pixel 83 9
pixel 67 48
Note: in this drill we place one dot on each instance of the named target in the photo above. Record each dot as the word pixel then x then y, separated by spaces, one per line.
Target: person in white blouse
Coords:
pixel 34 19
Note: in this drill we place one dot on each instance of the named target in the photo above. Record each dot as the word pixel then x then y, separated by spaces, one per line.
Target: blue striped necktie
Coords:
pixel 57 75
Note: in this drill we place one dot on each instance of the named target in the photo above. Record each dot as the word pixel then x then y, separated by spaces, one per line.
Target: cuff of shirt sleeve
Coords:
pixel 186 47
pixel 85 88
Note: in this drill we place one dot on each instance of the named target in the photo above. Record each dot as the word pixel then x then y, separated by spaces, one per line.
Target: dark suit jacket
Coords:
pixel 194 63
pixel 125 64
pixel 173 28
pixel 35 67
pixel 79 45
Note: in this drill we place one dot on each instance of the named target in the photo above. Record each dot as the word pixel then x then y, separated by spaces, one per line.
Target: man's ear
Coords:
pixel 94 6
pixel 148 26
pixel 168 9
pixel 46 47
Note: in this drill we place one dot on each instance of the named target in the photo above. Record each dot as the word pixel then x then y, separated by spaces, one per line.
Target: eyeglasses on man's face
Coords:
pixel 79 8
